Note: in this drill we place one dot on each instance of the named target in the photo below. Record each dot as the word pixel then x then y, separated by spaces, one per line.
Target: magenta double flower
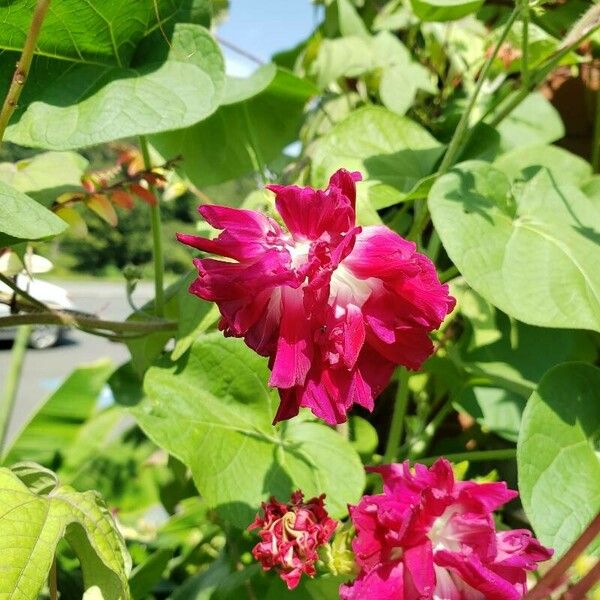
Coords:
pixel 431 537
pixel 334 306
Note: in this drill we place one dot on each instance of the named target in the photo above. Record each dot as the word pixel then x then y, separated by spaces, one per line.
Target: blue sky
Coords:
pixel 262 27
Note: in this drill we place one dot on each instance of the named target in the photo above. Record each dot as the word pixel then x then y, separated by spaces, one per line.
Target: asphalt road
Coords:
pixel 45 369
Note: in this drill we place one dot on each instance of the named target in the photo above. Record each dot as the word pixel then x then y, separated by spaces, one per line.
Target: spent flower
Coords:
pixel 334 306
pixel 290 536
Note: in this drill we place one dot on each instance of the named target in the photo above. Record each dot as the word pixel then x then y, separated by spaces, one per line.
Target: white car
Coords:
pixel 42 336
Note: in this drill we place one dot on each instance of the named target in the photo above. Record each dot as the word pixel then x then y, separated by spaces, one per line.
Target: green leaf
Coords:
pixel 532 254
pixel 238 89
pixel 31 526
pixel 392 152
pixel 56 423
pixel 195 317
pixel 45 176
pixel 237 136
pixel 559 472
pixel 320 588
pixel 215 416
pixel 525 163
pixel 147 575
pixel 77 105
pixel 444 10
pixel 350 21
pixel 399 84
pixel 535 121
pixel 23 219
pixel 349 56
pixel 105 33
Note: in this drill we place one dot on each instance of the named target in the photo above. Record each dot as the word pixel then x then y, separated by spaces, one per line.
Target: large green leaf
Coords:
pixel 392 152
pixel 535 121
pixel 71 105
pixel 242 134
pixel 45 176
pixel 23 219
pixel 444 10
pixel 526 162
pixel 559 471
pixel 508 367
pixel 56 424
pixel 105 33
pixel 213 410
pixel 532 250
pixel 31 526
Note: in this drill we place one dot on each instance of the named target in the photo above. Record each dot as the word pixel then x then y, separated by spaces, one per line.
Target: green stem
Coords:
pixel 538 77
pixel 157 247
pixel 596 138
pixel 462 128
pixel 397 425
pixel 461 133
pixel 420 445
pixel 22 69
pixel 525 44
pixel 449 273
pixel 475 456
pixel 11 383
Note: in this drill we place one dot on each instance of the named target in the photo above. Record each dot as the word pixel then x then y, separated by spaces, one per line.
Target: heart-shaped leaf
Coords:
pixel 559 471
pixel 31 526
pixel 531 250
pixel 213 410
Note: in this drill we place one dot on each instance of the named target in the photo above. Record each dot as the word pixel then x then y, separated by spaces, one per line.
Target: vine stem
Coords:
pixel 397 425
pixel 596 138
pixel 23 65
pixel 474 456
pixel 553 577
pixel 461 131
pixel 525 44
pixel 11 383
pixel 462 127
pixel 513 101
pixel 420 445
pixel 157 247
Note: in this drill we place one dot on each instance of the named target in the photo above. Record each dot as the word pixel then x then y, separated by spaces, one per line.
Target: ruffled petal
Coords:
pixel 384 583
pixel 246 234
pixel 294 347
pixel 471 570
pixel 309 213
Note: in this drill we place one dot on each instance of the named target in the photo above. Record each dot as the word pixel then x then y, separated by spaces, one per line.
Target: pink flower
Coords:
pixel 431 537
pixel 290 535
pixel 335 307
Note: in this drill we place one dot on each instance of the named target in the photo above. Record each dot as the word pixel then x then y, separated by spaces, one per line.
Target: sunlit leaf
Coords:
pixel 532 250
pixel 559 472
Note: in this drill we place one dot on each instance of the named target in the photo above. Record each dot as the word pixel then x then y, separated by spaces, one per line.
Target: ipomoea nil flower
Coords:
pixel 334 306
pixel 429 537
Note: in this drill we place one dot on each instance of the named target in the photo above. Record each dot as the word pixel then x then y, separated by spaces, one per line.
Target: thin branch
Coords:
pixel 72 319
pixel 582 587
pixel 553 577
pixel 240 51
pixel 22 69
pixel 23 293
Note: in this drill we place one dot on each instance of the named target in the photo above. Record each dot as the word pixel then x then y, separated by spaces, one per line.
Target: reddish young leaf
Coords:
pixel 102 206
pixel 122 198
pixel 146 195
